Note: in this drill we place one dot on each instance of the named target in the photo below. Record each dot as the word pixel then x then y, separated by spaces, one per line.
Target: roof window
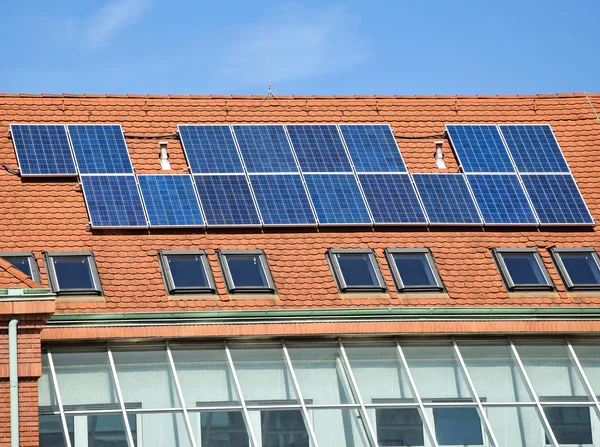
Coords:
pixel 414 270
pixel 186 272
pixel 73 273
pixel 578 267
pixel 356 270
pixel 25 262
pixel 522 269
pixel 246 271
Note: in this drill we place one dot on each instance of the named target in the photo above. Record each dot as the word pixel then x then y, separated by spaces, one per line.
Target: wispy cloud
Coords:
pixel 303 43
pixel 113 18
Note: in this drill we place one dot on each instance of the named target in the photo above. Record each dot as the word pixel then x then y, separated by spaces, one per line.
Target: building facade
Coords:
pixel 208 276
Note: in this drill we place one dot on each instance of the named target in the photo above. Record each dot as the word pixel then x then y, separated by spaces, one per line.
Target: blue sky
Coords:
pixel 316 47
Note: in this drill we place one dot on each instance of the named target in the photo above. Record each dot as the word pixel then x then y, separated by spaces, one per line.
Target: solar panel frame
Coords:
pixel 199 221
pixel 358 164
pixel 518 188
pixel 489 159
pixel 76 149
pixel 307 158
pixel 26 172
pixel 419 178
pixel 412 206
pixel 136 192
pixel 251 168
pixel 569 202
pixel 518 158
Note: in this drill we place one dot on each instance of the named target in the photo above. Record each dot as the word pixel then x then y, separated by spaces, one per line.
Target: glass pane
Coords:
pixel 571 425
pixel 280 428
pixel 73 272
pixel 263 374
pixel 321 375
pixel 550 370
pixel 46 395
pixel 187 271
pixel 339 427
pixel 516 427
pixel 220 428
pixel 84 377
pixel 104 430
pixel 457 426
pixel 145 378
pixel 399 427
pixel 20 262
pixel 523 268
pixel 589 357
pixel 357 269
pixel 414 269
pixel 247 271
pixel 204 376
pixel 161 429
pixel 496 376
pixel 581 268
pixel 51 431
pixel 436 372
pixel 381 361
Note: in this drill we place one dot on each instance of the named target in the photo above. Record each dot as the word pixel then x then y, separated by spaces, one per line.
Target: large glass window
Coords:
pixel 246 271
pixel 186 272
pixel 414 270
pixel 356 270
pixel 25 262
pixel 578 267
pixel 73 273
pixel 522 269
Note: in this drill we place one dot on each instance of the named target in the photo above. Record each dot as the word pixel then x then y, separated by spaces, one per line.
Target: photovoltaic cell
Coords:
pixel 265 148
pixel 392 199
pixel 170 200
pixel 113 201
pixel 447 199
pixel 42 149
pixel 372 148
pixel 501 199
pixel 557 199
pixel 337 199
pixel 226 200
pixel 534 148
pixel 210 149
pixel 319 148
pixel 479 148
pixel 100 149
pixel 282 199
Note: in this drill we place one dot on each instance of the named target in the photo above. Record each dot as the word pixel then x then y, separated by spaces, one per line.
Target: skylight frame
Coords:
pixel 511 286
pixel 54 281
pixel 390 254
pixel 338 274
pixel 33 265
pixel 224 256
pixel 167 274
pixel 563 271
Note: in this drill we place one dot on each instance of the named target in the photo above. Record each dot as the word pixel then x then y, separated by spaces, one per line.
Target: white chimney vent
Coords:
pixel 165 165
pixel 439 155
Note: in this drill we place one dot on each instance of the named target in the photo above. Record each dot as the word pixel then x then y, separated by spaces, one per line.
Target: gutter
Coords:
pixel 14 382
pixel 329 315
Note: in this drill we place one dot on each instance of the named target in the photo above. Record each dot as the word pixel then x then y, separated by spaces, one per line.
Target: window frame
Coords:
pixel 563 272
pixel 172 289
pixel 230 283
pixel 33 265
pixel 53 279
pixel 389 254
pixel 498 254
pixel 339 276
pixel 548 402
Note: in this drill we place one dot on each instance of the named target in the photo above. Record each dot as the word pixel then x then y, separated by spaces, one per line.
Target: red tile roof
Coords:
pixel 49 215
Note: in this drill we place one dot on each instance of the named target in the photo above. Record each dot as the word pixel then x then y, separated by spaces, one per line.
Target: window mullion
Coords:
pixel 180 393
pixel 413 386
pixel 63 418
pixel 584 378
pixel 113 369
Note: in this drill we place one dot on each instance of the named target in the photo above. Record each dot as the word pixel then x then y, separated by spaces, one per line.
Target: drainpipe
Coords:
pixel 14 383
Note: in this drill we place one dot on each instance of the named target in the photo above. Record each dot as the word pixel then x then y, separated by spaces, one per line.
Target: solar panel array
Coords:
pixel 311 174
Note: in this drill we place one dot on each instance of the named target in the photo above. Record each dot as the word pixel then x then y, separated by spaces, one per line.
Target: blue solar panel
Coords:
pixel 479 148
pixel 265 148
pixel 392 199
pixel 100 149
pixel 319 148
pixel 501 199
pixel 113 201
pixel 372 148
pixel 447 199
pixel 337 199
pixel 226 200
pixel 42 149
pixel 282 199
pixel 557 199
pixel 210 149
pixel 170 200
pixel 534 148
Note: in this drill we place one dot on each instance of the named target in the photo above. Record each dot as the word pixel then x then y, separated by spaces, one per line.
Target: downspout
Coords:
pixel 14 383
